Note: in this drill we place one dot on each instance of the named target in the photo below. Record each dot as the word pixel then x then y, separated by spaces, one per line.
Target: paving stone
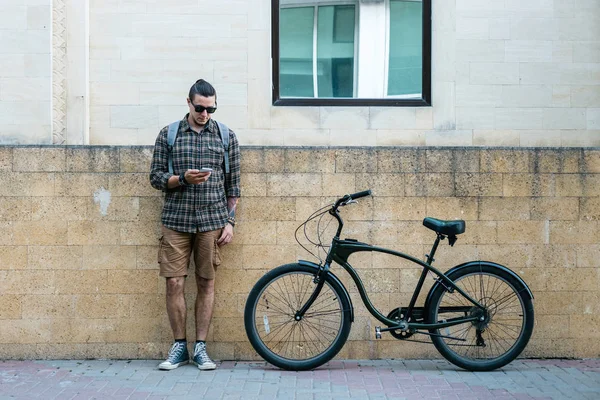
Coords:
pixel 353 379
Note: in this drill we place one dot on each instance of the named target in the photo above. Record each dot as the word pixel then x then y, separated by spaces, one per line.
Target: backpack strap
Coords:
pixel 173 128
pixel 224 132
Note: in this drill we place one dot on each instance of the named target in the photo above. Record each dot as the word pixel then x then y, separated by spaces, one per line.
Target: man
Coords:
pixel 198 215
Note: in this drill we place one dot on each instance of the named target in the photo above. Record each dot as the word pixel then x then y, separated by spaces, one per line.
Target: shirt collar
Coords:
pixel 211 126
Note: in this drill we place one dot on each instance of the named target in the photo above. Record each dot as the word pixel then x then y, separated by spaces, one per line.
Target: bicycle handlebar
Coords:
pixel 344 200
pixel 358 195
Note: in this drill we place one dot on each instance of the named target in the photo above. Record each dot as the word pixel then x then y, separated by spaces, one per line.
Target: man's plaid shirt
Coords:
pixel 203 207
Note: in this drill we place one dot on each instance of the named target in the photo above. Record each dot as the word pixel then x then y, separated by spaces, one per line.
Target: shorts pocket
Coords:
pixel 216 255
pixel 160 249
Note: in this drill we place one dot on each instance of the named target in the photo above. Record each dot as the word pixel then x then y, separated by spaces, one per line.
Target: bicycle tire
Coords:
pixel 278 337
pixel 506 331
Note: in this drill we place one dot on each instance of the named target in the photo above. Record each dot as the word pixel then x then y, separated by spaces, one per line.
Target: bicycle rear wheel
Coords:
pixel 506 327
pixel 276 335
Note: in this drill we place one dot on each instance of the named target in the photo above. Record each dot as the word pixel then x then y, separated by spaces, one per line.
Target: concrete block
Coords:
pixel 500 28
pixel 355 161
pixel 472 28
pixel 586 52
pixel 449 138
pixel 472 184
pixel 479 95
pixel 533 28
pixel 573 232
pixel 401 160
pixel 429 184
pixel 306 137
pixel 392 118
pixel 522 232
pixel 475 117
pixel 543 138
pixel 54 257
pixel 562 51
pixel 338 185
pixel 585 96
pixel 39 17
pixel 490 51
pixel 497 137
pixel 573 138
pixel 350 137
pixel 344 118
pixel 527 96
pixel 564 118
pixel 17 89
pixel 528 185
pixel 483 73
pixel 593 118
pixel 465 208
pixel 520 118
pixel 528 51
pixel 13 257
pixel 387 137
pixel 504 209
pixel 93 232
pixel 309 184
pixel 128 117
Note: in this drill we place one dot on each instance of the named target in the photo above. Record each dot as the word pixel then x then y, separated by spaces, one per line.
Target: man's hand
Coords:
pixel 195 177
pixel 226 235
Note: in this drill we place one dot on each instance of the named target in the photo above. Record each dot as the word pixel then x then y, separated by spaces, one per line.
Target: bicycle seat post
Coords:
pixel 431 254
pixel 419 286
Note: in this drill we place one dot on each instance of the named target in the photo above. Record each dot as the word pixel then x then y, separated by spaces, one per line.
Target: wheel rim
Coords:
pixel 281 333
pixel 503 321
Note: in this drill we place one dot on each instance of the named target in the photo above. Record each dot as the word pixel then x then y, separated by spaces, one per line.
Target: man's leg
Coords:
pixel 176 306
pixel 174 255
pixel 205 301
pixel 207 259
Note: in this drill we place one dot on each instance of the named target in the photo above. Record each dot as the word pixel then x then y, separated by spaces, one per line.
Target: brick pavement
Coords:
pixel 362 379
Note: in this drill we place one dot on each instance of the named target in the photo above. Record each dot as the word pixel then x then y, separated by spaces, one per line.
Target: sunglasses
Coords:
pixel 200 109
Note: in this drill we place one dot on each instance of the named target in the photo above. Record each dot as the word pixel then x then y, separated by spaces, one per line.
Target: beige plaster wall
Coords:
pixel 504 73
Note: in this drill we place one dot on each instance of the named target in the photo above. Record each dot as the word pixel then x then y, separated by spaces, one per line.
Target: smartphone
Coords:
pixel 205 169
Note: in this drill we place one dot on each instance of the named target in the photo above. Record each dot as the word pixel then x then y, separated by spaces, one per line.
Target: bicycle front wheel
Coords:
pixel 273 330
pixel 501 332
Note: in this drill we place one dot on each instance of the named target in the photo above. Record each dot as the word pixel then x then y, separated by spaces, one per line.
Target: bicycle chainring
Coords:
pixel 398 314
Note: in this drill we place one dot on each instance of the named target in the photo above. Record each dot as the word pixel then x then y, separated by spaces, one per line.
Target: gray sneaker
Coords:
pixel 201 358
pixel 178 355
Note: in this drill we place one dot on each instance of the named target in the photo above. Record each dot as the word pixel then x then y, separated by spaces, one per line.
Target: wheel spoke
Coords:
pixel 309 337
pixel 501 328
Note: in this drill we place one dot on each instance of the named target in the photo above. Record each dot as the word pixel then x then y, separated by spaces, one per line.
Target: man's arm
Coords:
pixel 232 179
pixel 160 178
pixel 232 188
pixel 231 206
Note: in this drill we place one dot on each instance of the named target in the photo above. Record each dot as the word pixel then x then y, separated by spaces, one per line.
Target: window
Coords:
pixel 317 51
pixel 351 52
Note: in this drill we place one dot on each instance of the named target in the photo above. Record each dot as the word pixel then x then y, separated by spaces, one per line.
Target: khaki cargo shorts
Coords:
pixel 175 250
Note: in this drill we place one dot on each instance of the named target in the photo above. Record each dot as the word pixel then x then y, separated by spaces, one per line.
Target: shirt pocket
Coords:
pixel 215 155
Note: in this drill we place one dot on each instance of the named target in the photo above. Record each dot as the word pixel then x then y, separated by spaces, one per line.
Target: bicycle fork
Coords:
pixel 319 279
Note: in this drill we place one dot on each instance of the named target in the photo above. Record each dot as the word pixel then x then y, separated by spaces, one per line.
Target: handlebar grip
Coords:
pixel 360 194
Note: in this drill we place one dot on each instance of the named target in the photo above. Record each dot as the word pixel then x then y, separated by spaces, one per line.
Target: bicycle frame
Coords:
pixel 340 251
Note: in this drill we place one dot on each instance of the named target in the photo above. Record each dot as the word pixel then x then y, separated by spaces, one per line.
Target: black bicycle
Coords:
pixel 479 315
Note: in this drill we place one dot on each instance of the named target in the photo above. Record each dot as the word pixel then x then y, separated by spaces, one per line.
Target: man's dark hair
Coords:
pixel 202 88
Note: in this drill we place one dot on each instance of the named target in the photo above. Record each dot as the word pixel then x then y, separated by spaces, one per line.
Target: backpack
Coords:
pixel 172 135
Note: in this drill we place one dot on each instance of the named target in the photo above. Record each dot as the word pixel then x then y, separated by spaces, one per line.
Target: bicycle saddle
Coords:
pixel 448 228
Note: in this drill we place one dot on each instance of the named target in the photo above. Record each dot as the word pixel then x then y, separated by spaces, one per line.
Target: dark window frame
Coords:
pixel 424 101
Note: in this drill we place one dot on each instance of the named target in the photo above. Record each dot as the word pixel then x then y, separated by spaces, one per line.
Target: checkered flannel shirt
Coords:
pixel 203 207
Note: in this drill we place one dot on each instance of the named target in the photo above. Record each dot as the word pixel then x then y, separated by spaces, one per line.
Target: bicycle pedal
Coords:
pixel 377 332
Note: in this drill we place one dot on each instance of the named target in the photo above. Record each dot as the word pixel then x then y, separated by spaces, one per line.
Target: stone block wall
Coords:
pixel 78 249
